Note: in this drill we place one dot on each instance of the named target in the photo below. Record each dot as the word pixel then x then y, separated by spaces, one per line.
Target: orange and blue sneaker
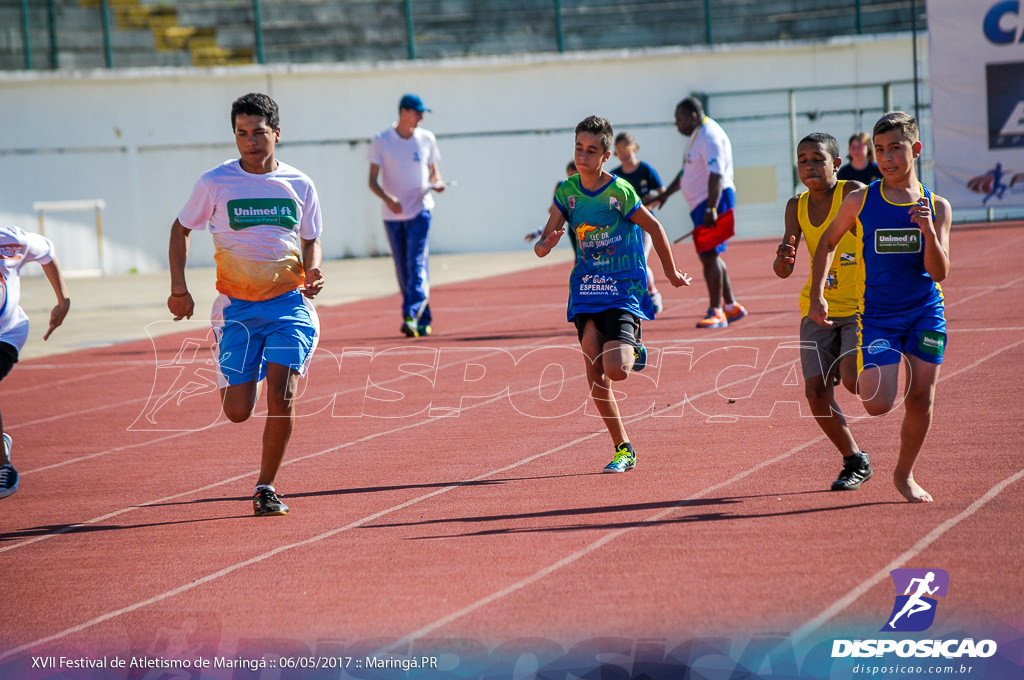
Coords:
pixel 735 312
pixel 625 459
pixel 714 319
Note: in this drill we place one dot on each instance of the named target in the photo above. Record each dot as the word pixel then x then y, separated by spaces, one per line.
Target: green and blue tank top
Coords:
pixel 610 270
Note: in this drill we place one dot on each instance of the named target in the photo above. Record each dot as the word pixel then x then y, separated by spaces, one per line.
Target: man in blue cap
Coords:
pixel 403 173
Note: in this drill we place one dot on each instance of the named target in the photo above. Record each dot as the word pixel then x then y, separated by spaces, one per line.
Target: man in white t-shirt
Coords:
pixel 265 219
pixel 18 248
pixel 706 181
pixel 403 171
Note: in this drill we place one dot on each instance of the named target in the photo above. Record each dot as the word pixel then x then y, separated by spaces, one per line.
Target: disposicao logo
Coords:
pixel 916 590
pixel 914 611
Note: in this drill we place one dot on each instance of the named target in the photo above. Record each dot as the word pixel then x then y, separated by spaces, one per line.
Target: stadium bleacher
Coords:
pixel 71 34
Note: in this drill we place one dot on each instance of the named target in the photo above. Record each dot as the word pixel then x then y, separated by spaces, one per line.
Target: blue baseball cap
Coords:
pixel 412 101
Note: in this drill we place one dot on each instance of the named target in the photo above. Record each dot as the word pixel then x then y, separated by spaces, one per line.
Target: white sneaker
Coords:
pixel 656 299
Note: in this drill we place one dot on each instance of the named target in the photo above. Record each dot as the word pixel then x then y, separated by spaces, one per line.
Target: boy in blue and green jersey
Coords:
pixel 608 285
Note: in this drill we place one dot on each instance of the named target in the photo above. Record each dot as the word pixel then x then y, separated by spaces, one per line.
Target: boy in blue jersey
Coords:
pixel 608 284
pixel 904 233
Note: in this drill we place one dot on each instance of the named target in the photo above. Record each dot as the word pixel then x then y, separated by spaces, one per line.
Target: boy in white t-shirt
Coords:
pixel 707 183
pixel 265 219
pixel 17 248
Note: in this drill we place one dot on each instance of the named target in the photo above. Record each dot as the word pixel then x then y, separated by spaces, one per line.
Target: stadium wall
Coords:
pixel 138 139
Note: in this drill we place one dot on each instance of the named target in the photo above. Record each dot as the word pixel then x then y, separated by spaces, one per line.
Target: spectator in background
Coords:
pixel 642 177
pixel 403 171
pixel 862 167
pixel 706 181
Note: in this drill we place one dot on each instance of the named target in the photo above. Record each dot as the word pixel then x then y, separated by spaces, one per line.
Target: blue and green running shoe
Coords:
pixel 625 459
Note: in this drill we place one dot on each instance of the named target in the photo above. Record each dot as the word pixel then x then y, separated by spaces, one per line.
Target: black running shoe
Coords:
pixel 265 502
pixel 8 480
pixel 409 328
pixel 856 471
pixel 8 475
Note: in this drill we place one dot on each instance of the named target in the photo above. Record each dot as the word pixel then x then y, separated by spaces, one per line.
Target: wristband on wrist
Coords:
pixel 185 294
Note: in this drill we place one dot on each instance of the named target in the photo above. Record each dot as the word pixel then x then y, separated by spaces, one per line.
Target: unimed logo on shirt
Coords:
pixel 12 251
pixel 250 212
pixel 897 241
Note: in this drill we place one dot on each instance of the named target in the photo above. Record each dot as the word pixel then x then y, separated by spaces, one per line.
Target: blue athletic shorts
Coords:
pixel 283 330
pixel 922 335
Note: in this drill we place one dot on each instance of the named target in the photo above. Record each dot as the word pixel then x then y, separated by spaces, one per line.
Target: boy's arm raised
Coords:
pixel 553 231
pixel 844 221
pixel 935 235
pixel 785 254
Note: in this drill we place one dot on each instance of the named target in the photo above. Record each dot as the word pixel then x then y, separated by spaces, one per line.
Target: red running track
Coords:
pixel 450 488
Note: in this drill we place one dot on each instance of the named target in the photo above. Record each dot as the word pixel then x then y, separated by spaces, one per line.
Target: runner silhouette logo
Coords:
pixel 916 590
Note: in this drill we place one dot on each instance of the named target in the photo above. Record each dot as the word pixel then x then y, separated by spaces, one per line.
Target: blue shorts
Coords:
pixel 283 330
pixel 921 335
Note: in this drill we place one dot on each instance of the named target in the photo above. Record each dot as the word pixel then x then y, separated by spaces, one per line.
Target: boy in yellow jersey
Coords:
pixel 827 353
pixel 264 216
pixel 904 231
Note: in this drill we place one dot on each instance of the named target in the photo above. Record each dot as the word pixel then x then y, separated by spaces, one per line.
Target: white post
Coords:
pixel 95 204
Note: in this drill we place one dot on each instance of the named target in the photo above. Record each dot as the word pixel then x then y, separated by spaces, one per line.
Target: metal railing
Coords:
pixel 435 29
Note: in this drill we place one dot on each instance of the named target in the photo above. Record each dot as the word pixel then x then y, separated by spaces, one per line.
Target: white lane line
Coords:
pixel 882 574
pixel 509 589
pixel 333 532
pixel 518 585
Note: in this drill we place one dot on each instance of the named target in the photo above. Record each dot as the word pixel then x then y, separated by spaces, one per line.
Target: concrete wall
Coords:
pixel 138 139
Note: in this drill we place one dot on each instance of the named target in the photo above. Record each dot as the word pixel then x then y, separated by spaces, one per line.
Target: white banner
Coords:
pixel 977 77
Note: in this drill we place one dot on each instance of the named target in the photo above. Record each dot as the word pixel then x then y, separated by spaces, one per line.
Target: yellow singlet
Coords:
pixel 842 287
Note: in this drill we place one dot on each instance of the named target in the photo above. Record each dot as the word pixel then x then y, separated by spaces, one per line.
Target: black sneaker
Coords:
pixel 265 502
pixel 8 475
pixel 856 471
pixel 8 480
pixel 409 328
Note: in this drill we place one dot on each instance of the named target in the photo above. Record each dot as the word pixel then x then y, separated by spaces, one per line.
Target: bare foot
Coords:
pixel 911 490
